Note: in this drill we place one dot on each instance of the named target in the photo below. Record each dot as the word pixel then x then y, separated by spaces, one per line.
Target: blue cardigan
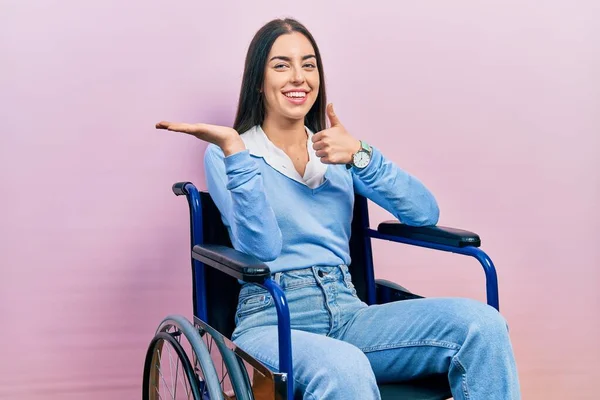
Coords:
pixel 288 225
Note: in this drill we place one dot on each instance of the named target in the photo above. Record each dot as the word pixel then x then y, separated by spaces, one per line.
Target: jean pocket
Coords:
pixel 253 303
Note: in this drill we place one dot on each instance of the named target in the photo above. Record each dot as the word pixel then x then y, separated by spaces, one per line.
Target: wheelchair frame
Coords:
pixel 249 269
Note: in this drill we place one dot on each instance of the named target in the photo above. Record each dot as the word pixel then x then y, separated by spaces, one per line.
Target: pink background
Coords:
pixel 495 105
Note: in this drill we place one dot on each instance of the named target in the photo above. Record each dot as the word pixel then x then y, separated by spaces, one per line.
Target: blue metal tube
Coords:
pixel 197 237
pixel 284 330
pixel 491 279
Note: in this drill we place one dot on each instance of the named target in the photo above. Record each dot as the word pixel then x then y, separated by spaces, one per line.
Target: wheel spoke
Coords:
pixel 176 378
pixel 223 374
pixel 183 378
pixel 173 384
pixel 163 378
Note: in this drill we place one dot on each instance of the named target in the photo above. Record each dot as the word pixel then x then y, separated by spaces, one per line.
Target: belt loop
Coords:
pixel 344 270
pixel 277 278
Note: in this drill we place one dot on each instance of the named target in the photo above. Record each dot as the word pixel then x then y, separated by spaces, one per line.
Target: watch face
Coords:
pixel 361 159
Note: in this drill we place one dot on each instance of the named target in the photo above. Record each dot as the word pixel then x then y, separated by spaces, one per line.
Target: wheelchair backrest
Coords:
pixel 222 290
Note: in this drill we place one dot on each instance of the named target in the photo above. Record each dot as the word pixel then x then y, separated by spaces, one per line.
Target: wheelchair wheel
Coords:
pixel 170 374
pixel 233 373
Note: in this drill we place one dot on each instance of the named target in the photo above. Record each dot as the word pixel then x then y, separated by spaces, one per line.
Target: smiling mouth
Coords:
pixel 295 95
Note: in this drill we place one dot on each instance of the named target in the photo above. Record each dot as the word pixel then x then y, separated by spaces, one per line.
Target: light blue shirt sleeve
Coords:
pixel 395 190
pixel 236 186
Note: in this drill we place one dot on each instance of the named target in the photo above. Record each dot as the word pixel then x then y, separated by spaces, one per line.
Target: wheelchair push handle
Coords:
pixel 181 188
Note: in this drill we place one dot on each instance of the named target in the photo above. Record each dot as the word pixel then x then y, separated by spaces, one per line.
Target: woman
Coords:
pixel 285 184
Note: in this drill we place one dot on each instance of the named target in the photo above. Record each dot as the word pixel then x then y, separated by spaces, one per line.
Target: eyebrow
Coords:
pixel 288 59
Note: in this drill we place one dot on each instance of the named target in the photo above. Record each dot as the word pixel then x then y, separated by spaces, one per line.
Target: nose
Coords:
pixel 298 77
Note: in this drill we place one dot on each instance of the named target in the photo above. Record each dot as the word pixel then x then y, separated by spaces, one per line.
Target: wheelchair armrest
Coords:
pixel 431 234
pixel 232 262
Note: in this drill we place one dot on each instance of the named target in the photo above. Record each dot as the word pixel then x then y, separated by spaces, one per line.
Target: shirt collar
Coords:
pixel 259 145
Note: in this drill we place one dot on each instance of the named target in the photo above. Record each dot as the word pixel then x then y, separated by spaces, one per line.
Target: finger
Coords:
pixel 163 125
pixel 173 126
pixel 183 128
pixel 319 145
pixel 333 119
pixel 317 136
pixel 177 127
pixel 321 153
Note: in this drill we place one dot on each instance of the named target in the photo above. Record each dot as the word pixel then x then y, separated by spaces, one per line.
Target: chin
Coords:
pixel 296 114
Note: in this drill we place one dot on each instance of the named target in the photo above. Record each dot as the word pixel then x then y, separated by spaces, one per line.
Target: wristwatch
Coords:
pixel 362 157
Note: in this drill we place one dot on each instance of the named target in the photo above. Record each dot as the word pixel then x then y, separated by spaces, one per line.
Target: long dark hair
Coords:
pixel 251 106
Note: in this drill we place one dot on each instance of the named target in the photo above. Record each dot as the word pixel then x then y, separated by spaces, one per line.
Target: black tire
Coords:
pixel 152 373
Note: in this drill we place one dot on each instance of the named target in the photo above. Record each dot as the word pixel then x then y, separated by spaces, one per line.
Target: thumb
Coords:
pixel 333 119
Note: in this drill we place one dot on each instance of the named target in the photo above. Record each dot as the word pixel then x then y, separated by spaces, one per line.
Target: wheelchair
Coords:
pixel 196 360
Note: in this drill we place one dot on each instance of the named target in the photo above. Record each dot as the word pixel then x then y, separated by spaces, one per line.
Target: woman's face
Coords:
pixel 292 79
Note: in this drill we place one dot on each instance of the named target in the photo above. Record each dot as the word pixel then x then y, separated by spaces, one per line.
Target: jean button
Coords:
pixel 321 273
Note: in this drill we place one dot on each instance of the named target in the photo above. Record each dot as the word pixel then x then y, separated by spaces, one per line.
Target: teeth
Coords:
pixel 295 94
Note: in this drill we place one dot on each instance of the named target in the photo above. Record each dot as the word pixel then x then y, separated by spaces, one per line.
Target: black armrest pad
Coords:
pixel 179 188
pixel 232 262
pixel 432 234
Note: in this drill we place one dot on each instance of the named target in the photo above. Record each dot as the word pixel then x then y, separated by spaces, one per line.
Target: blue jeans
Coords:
pixel 342 348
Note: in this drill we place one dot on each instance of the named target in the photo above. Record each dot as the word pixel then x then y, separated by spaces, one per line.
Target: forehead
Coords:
pixel 292 44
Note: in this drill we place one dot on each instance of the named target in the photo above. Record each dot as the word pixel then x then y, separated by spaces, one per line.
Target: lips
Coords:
pixel 295 94
pixel 296 97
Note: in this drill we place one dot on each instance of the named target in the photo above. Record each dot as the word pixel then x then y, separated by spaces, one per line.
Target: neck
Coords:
pixel 283 132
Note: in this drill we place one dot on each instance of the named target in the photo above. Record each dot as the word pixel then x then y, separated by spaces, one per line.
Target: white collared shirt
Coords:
pixel 259 145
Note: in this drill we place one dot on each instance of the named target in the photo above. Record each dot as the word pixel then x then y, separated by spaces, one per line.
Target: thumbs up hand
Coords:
pixel 335 145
